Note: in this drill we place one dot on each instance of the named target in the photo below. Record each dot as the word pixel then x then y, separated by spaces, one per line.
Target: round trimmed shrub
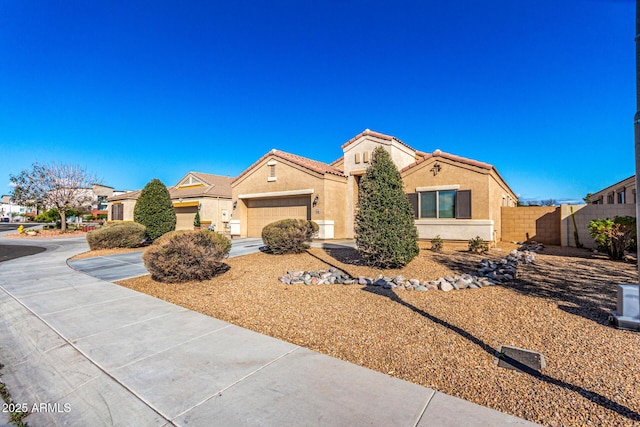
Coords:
pixel 118 235
pixel 289 236
pixel 184 256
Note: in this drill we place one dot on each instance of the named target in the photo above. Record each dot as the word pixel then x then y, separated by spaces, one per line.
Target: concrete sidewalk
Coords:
pixel 80 351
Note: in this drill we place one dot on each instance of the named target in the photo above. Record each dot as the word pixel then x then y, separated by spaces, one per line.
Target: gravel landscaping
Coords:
pixel 558 306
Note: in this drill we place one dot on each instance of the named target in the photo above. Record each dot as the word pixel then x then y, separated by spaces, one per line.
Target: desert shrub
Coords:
pixel 118 235
pixel 477 245
pixel 189 255
pixel 288 236
pixel 154 209
pixel 437 243
pixel 615 236
pixel 386 235
pixel 52 215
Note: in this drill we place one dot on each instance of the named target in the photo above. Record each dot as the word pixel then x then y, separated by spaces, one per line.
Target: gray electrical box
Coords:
pixel 627 314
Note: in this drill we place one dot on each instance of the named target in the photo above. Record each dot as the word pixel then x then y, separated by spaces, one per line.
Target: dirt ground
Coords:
pixel 558 306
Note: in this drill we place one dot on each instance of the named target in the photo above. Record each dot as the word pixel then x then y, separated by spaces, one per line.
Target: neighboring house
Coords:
pixel 209 194
pixel 100 195
pixel 9 211
pixel 620 193
pixel 453 197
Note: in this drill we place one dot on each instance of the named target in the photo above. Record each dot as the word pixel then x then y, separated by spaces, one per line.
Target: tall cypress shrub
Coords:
pixel 154 209
pixel 386 235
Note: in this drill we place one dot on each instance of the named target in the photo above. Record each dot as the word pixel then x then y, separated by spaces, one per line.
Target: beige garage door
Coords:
pixel 265 211
pixel 185 217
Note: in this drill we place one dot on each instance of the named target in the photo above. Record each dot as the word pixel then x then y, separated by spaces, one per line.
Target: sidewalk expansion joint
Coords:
pixel 424 410
pixel 219 393
pixel 86 356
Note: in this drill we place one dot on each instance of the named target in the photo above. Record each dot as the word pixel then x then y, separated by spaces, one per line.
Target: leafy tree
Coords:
pixel 154 209
pixel 53 185
pixel 587 198
pixel 386 235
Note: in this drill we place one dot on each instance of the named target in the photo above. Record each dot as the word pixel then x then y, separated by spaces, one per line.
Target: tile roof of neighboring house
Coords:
pixel 438 153
pixel 215 186
pixel 377 135
pixel 312 165
pixel 129 195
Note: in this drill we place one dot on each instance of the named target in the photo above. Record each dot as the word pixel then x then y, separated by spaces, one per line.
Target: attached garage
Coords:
pixel 185 214
pixel 261 212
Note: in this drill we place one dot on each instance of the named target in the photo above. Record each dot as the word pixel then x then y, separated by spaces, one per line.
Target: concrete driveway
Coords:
pixel 113 268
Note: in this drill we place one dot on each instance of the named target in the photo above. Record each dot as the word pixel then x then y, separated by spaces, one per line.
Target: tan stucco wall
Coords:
pixel 499 195
pixel 211 209
pixel 127 211
pixel 292 177
pixel 452 173
pixel 333 208
pixel 401 155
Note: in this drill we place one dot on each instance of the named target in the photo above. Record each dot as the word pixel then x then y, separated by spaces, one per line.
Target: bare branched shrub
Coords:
pixel 185 256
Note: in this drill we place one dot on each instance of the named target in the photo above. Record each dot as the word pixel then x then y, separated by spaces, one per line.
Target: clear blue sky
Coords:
pixel 133 90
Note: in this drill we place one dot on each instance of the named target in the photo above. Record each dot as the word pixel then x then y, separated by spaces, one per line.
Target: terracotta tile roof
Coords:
pixel 438 153
pixel 377 135
pixel 310 164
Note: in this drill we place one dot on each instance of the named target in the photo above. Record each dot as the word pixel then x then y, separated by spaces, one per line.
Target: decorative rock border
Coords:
pixel 488 273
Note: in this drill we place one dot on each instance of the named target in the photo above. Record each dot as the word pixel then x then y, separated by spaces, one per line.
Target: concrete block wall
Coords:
pixel 583 215
pixel 539 223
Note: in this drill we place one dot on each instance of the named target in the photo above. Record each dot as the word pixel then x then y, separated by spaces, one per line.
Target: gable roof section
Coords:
pixel 313 165
pixel 464 160
pixel 438 153
pixel 212 186
pixel 368 132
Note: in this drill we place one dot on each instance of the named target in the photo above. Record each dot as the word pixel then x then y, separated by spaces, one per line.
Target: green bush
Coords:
pixel 189 255
pixel 614 237
pixel 386 235
pixel 118 235
pixel 196 220
pixel 154 209
pixel 288 236
pixel 437 243
pixel 477 245
pixel 52 215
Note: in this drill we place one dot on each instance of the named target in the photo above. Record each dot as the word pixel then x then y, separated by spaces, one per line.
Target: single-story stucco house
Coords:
pixel 209 194
pixel 453 197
